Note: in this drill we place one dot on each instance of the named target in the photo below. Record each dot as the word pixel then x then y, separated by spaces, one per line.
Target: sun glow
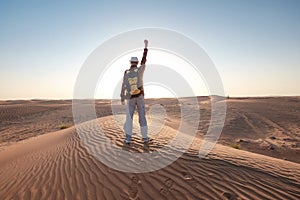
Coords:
pixel 109 84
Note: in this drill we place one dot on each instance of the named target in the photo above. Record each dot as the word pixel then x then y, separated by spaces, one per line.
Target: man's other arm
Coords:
pixel 122 95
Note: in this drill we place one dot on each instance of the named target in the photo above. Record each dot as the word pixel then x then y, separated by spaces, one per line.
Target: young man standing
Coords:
pixel 133 91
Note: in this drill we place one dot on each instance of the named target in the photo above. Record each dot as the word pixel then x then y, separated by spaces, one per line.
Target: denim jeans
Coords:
pixel 132 103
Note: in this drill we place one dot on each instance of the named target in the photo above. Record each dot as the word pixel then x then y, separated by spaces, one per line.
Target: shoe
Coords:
pixel 126 142
pixel 146 146
pixel 146 140
pixel 146 143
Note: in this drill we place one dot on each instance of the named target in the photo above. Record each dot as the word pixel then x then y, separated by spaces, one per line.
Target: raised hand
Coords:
pixel 146 43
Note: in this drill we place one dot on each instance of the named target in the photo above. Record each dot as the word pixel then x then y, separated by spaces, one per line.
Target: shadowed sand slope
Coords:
pixel 57 166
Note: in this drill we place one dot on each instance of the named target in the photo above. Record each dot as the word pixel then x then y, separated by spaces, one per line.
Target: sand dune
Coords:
pixel 57 166
pixel 268 126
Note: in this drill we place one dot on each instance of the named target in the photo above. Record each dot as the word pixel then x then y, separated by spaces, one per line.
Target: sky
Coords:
pixel 255 45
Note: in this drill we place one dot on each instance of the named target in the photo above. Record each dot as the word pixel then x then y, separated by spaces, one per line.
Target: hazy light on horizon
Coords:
pixel 255 45
pixel 109 85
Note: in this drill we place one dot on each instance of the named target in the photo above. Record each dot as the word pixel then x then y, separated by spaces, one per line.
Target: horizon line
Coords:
pixel 227 96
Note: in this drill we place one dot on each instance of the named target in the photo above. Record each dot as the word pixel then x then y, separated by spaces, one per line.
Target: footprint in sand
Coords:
pixel 124 197
pixel 165 190
pixel 142 164
pixel 169 183
pixel 134 179
pixel 229 196
pixel 133 188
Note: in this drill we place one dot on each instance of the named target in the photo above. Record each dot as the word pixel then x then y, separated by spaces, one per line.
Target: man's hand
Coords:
pixel 123 102
pixel 146 43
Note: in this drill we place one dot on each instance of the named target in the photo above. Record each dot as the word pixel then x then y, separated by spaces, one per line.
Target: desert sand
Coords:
pixel 257 155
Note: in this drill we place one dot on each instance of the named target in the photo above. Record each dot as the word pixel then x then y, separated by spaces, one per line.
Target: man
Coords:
pixel 133 92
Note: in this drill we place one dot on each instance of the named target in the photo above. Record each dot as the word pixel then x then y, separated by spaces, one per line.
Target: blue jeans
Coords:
pixel 132 103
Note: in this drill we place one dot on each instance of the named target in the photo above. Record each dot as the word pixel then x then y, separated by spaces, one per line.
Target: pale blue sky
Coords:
pixel 254 44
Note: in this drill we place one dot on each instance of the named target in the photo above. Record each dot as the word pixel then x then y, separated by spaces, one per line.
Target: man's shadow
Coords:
pixel 129 147
pixel 146 148
pixel 126 147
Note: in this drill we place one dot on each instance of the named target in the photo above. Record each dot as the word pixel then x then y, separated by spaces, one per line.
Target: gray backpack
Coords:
pixel 131 81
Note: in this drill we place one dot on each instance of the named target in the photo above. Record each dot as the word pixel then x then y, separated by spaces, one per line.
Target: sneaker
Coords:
pixel 126 142
pixel 146 140
pixel 146 146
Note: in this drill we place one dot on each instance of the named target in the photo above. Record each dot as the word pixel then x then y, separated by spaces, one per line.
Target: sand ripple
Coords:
pixel 57 166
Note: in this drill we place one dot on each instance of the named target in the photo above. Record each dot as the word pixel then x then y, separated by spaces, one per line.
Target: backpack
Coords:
pixel 131 81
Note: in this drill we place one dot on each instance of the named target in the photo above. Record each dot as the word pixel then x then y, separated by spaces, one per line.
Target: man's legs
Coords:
pixel 130 107
pixel 142 117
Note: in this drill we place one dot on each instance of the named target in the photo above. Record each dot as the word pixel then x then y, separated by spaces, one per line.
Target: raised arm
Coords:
pixel 144 59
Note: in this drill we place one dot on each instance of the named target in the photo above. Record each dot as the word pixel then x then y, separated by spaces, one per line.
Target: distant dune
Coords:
pixel 257 156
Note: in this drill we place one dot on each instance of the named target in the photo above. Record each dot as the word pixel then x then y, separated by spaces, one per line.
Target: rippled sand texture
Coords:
pixel 57 165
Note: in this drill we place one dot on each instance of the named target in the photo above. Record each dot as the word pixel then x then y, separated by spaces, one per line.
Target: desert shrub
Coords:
pixel 235 145
pixel 63 126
